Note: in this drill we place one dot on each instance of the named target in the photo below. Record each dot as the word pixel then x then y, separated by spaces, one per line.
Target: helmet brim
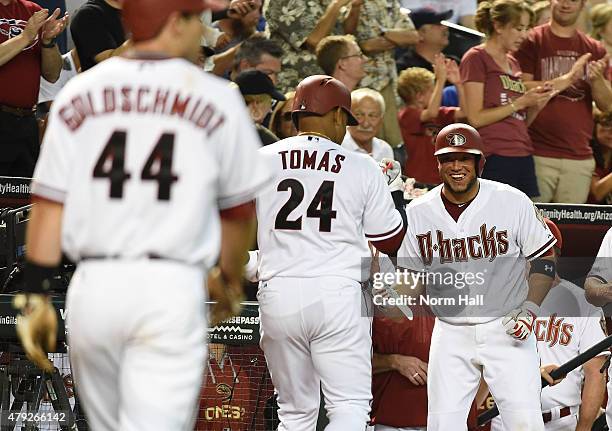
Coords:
pixel 448 150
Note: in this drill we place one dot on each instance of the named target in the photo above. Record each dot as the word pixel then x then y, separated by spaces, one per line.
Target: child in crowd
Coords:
pixel 423 116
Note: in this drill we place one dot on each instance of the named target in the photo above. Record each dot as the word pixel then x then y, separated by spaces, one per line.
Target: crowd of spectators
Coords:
pixel 537 87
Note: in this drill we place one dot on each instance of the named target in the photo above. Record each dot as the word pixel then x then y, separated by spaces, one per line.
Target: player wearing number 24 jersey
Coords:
pixel 314 221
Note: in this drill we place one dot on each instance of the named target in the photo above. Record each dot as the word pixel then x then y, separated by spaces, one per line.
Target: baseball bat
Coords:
pixel 559 372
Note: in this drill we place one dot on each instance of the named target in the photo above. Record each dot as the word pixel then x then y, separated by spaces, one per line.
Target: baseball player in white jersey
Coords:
pixel 598 289
pixel 567 327
pixel 314 221
pixel 147 178
pixel 476 235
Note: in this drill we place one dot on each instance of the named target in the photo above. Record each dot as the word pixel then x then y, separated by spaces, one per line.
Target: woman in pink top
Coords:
pixel 497 102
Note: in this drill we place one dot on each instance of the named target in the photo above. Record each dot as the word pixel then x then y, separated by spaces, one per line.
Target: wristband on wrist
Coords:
pixel 38 278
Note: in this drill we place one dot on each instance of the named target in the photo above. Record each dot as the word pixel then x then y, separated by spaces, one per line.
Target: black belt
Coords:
pixel 18 112
pixel 565 411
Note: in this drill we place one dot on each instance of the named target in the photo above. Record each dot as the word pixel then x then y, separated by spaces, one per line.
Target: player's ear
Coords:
pixel 340 117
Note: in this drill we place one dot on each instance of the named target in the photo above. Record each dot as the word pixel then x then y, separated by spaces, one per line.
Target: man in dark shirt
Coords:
pixel 97 32
pixel 433 38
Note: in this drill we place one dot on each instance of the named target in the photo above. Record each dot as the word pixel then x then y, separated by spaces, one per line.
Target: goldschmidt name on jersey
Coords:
pixel 143 100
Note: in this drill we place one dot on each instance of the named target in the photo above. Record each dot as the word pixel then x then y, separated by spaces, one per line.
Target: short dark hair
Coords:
pixel 331 49
pixel 254 47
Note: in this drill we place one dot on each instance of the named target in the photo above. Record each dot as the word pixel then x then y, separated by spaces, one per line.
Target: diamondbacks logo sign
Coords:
pixel 224 390
pixel 455 139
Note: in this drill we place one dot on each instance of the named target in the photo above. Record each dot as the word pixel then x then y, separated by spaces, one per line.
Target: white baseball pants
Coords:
pixel 567 423
pixel 137 343
pixel 313 335
pixel 457 357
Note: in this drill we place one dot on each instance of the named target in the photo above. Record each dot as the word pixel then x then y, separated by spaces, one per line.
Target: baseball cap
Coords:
pixel 256 82
pixel 426 15
pixel 145 18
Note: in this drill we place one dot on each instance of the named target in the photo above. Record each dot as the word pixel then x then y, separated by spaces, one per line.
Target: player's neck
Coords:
pixel 463 197
pixel 320 135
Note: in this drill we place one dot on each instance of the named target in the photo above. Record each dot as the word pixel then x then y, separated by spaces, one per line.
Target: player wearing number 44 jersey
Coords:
pixel 314 221
pixel 478 235
pixel 147 178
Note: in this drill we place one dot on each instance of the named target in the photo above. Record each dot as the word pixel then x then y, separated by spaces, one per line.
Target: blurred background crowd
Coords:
pixel 532 77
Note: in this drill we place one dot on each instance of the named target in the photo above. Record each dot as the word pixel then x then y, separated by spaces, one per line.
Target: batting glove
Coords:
pixel 519 322
pixel 393 173
pixel 36 327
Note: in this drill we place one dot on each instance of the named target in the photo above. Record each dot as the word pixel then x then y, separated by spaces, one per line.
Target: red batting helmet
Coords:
pixel 460 138
pixel 554 229
pixel 145 18
pixel 319 94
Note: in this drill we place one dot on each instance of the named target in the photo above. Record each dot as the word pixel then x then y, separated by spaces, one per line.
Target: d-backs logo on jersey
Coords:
pixel 553 331
pixel 489 244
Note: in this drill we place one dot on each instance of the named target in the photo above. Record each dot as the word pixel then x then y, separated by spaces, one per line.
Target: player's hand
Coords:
pixel 53 27
pixel 36 327
pixel 393 173
pixel 410 367
pixel 34 24
pixel 519 322
pixel 545 373
pixel 228 297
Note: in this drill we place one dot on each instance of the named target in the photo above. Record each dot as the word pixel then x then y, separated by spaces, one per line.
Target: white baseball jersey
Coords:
pixel 315 217
pixel 481 257
pixel 568 326
pixel 142 161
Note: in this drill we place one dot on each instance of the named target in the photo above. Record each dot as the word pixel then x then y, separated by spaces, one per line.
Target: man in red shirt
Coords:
pixel 27 51
pixel 559 53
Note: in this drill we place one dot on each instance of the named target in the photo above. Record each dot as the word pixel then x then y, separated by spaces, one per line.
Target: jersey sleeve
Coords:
pixel 52 172
pixel 602 267
pixel 593 331
pixel 408 256
pixel 243 170
pixel 380 219
pixel 533 236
